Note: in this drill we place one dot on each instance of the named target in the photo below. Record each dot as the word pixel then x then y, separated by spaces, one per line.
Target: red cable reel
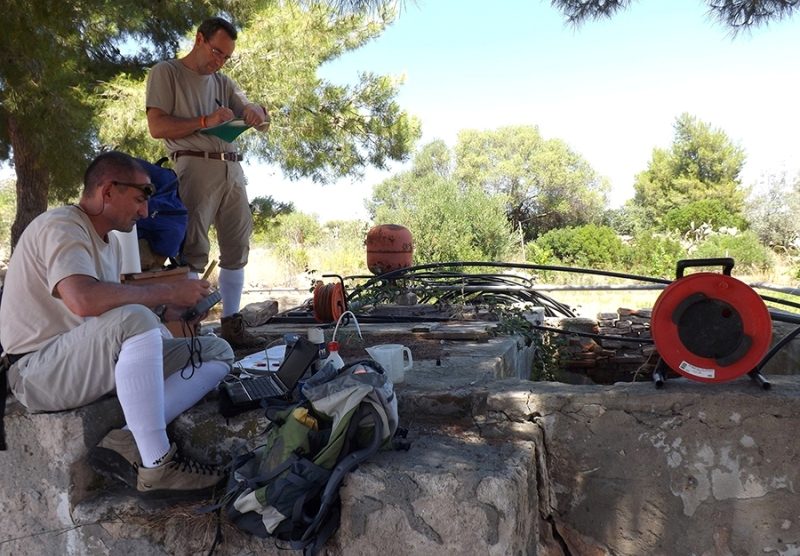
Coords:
pixel 710 327
pixel 329 302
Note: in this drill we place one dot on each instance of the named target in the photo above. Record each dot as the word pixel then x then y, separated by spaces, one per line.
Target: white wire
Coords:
pixel 355 320
pixel 244 372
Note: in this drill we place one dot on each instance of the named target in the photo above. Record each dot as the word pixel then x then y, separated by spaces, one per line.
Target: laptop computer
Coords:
pixel 247 393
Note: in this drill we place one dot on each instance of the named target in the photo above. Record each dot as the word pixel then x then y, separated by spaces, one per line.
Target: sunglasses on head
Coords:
pixel 147 188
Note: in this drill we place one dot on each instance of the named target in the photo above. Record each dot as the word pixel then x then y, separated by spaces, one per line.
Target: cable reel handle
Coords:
pixel 725 262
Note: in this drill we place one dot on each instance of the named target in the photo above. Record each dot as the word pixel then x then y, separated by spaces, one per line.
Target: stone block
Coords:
pixel 450 494
pixel 579 324
pixel 44 473
pixel 498 465
pixel 256 314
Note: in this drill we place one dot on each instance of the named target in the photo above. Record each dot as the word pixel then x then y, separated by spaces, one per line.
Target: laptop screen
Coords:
pixel 296 361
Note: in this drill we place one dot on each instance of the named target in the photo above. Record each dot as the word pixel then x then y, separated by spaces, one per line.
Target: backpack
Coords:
pixel 165 225
pixel 288 488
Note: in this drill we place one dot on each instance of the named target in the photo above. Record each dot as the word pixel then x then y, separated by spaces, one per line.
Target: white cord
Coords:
pixel 269 345
pixel 355 320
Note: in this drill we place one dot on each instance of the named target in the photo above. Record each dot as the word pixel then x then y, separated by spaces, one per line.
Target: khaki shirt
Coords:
pixel 183 93
pixel 58 243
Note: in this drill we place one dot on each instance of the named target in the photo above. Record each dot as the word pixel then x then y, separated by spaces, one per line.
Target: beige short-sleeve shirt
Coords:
pixel 183 93
pixel 58 243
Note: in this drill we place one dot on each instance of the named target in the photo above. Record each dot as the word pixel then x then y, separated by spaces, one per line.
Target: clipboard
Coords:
pixel 227 131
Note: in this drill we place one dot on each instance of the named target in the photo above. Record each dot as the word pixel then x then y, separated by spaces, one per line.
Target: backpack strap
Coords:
pixel 327 519
pixel 326 531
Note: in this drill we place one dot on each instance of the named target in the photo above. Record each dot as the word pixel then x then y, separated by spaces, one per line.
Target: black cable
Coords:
pixel 439 283
pixel 195 359
pixel 771 353
pixel 594 335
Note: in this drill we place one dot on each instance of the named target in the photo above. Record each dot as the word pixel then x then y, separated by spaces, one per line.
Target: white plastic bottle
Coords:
pixel 333 356
pixel 317 336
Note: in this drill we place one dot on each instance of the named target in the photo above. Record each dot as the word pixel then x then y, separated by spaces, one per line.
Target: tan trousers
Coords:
pixel 214 192
pixel 77 368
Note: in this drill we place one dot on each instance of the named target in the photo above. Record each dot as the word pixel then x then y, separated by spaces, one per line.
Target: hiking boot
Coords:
pixel 178 475
pixel 234 332
pixel 116 457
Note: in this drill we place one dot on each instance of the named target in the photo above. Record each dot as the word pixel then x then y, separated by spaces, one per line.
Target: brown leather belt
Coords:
pixel 230 157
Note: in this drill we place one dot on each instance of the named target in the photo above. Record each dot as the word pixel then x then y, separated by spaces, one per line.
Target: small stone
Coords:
pixel 256 314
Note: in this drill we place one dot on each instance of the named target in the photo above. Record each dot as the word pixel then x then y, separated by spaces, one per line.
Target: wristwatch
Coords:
pixel 161 312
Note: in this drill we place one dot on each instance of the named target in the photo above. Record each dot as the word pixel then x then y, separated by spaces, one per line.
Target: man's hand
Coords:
pixel 219 116
pixel 175 312
pixel 188 292
pixel 256 116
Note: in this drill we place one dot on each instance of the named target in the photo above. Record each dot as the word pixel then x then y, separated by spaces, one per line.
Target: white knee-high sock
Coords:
pixel 139 376
pixel 180 394
pixel 231 284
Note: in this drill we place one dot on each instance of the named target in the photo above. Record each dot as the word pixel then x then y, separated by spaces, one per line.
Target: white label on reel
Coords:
pixel 697 371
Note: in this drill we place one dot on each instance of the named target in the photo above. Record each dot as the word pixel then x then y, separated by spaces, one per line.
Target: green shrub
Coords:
pixel 450 222
pixel 293 230
pixel 745 249
pixel 536 254
pixel 628 220
pixel 539 254
pixel 708 211
pixel 651 254
pixel 589 246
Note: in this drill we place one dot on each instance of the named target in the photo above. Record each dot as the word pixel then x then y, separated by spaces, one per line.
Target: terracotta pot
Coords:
pixel 389 247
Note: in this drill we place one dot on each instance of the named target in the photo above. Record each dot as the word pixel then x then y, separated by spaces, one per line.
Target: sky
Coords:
pixel 611 89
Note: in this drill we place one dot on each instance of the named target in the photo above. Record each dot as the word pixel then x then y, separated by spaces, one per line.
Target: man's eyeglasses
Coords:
pixel 147 188
pixel 218 54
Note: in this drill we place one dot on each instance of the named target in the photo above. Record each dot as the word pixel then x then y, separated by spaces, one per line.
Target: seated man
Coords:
pixel 75 334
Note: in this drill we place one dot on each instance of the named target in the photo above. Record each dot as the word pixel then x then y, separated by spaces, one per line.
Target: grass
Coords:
pixel 590 303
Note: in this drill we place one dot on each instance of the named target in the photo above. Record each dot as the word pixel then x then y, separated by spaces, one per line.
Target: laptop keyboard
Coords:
pixel 242 392
pixel 261 387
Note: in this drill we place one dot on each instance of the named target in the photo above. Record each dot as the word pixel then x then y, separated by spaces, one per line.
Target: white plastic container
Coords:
pixel 317 336
pixel 395 359
pixel 333 356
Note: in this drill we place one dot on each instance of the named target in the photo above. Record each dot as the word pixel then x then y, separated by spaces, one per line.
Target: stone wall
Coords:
pixel 607 360
pixel 498 465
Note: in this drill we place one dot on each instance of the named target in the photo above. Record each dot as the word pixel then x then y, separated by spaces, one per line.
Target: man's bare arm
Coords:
pixel 165 126
pixel 87 297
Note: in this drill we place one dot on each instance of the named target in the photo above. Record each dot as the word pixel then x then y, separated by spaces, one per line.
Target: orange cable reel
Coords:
pixel 711 327
pixel 328 301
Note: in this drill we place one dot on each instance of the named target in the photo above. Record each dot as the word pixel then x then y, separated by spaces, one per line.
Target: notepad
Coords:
pixel 227 131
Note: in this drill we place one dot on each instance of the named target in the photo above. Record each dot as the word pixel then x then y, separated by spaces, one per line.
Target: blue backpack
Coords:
pixel 165 226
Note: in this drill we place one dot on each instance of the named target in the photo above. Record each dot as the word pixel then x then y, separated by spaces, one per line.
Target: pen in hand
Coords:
pixel 218 102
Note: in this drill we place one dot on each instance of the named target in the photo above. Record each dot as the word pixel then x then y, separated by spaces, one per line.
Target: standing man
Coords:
pixel 73 333
pixel 184 97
